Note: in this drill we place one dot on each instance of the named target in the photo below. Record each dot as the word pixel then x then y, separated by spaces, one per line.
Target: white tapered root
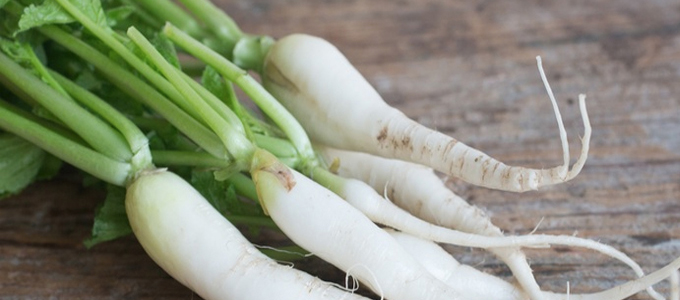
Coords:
pixel 338 107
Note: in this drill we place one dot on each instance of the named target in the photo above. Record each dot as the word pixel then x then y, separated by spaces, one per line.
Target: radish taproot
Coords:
pixel 481 285
pixel 338 107
pixel 346 237
pixel 382 211
pixel 330 228
pixel 191 241
pixel 421 192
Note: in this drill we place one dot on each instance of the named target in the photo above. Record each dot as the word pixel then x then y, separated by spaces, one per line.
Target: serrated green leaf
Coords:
pixel 50 12
pixel 110 221
pixel 16 51
pixel 92 9
pixel 20 163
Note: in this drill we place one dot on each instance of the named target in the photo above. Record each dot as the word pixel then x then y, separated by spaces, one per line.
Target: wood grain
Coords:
pixel 468 69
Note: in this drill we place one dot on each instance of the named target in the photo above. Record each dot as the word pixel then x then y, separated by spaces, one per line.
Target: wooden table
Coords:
pixel 468 69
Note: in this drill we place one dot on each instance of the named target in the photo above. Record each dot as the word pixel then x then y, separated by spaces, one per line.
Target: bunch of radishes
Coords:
pixel 342 174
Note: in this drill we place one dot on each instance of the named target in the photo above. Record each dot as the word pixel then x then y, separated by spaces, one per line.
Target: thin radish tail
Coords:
pixel 495 174
pixel 562 173
pixel 403 138
pixel 387 213
pixel 627 289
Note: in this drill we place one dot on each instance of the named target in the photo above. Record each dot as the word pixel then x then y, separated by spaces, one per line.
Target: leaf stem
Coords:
pixel 186 158
pixel 110 38
pixel 140 90
pixel 217 105
pixel 136 139
pixel 96 132
pixel 168 11
pixel 235 141
pixel 244 185
pixel 252 88
pixel 219 23
pixel 86 159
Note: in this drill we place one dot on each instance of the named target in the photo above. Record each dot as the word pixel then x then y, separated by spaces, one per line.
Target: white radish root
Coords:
pixel 418 189
pixel 485 286
pixel 339 108
pixel 197 246
pixel 330 228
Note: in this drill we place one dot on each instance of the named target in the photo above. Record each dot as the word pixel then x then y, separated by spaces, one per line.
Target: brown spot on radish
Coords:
pixel 495 167
pixel 282 173
pixel 485 169
pixel 463 159
pixel 450 145
pixel 406 141
pixel 382 135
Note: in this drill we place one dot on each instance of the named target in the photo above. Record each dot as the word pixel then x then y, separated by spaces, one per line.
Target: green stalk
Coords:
pixel 329 180
pixel 144 15
pixel 134 136
pixel 162 127
pixel 237 144
pixel 244 185
pixel 219 23
pixel 278 147
pixel 42 70
pixel 186 158
pixel 168 11
pixel 57 128
pixel 96 132
pixel 252 88
pixel 217 105
pixel 136 139
pixel 232 102
pixel 76 154
pixel 140 90
pixel 109 37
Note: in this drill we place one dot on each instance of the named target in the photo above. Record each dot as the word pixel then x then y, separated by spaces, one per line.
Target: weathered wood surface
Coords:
pixel 466 68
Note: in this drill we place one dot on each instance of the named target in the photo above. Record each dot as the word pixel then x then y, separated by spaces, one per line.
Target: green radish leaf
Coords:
pixel 213 82
pixel 50 12
pixel 16 51
pixel 222 195
pixel 164 46
pixel 110 221
pixel 92 9
pixel 20 164
pixel 50 167
pixel 3 2
pixel 118 15
pixel 216 192
pixel 167 49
